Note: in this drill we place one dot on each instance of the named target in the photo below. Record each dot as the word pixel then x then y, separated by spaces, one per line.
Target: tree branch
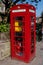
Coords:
pixel 4 2
pixel 16 2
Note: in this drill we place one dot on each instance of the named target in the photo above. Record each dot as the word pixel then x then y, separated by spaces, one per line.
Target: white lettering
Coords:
pixel 31 11
pixel 20 10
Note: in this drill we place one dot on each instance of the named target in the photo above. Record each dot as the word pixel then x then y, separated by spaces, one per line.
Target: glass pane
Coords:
pixel 32 34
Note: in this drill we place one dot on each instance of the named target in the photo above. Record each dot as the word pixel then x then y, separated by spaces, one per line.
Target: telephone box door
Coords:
pixel 18 36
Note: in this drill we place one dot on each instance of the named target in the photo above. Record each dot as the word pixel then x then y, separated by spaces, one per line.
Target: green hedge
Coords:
pixel 4 27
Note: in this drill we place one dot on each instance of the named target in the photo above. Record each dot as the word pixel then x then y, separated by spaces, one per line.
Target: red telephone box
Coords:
pixel 23 32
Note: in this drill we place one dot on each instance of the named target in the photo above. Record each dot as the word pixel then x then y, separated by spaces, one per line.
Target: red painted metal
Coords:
pixel 23 40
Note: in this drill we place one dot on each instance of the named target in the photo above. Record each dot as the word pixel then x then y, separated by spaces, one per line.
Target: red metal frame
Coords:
pixel 28 45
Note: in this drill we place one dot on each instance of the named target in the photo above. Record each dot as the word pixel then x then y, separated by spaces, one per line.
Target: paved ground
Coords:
pixel 38 60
